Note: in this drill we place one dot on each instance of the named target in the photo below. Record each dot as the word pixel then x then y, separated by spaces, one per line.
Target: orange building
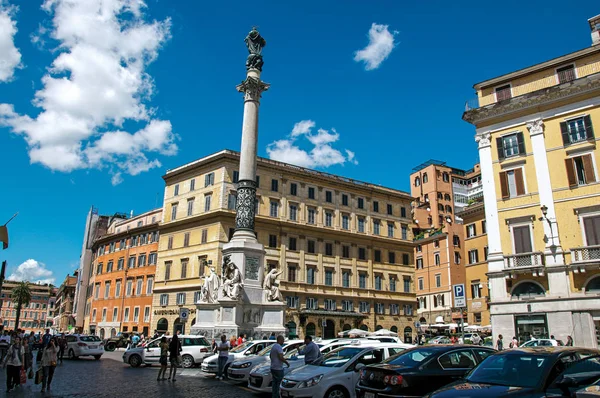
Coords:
pixel 119 293
pixel 34 317
pixel 441 193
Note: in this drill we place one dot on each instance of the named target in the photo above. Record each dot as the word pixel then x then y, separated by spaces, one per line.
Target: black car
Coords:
pixel 528 372
pixel 418 371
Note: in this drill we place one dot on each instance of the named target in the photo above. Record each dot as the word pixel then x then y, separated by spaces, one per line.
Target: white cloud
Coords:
pixel 321 155
pixel 381 44
pixel 10 57
pixel 97 81
pixel 32 271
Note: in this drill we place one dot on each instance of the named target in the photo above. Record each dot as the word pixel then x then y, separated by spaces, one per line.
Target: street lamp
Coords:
pixel 544 210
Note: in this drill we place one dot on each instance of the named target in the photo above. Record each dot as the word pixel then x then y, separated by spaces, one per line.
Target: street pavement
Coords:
pixel 110 377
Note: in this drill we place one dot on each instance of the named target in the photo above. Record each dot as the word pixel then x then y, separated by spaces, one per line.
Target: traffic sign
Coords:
pixel 459 295
pixel 324 323
pixel 184 314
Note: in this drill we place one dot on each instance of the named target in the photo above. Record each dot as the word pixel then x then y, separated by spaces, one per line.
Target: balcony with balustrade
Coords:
pixel 584 258
pixel 525 263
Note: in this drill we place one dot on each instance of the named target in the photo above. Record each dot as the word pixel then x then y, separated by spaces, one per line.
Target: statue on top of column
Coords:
pixel 255 43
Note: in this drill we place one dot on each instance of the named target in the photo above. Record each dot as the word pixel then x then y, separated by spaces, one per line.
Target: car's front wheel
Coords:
pixel 135 361
pixel 336 392
pixel 187 361
pixel 110 347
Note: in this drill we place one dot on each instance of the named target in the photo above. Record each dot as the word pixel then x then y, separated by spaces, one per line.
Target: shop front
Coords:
pixel 534 326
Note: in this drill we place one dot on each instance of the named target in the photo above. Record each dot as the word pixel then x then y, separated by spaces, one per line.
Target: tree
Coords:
pixel 21 294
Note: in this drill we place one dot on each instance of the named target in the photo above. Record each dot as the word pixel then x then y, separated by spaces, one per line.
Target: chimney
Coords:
pixel 595 27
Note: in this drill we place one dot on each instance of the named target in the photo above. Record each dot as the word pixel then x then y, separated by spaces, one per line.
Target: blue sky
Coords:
pixel 94 110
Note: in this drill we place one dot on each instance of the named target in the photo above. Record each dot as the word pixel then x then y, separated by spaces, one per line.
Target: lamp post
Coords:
pixel 544 210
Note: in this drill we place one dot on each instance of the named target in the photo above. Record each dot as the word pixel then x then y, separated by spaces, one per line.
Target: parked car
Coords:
pixel 240 368
pixel 337 373
pixel 249 348
pixel 439 340
pixel 81 345
pixel 261 379
pixel 385 339
pixel 194 350
pixel 543 343
pixel 528 372
pixel 420 370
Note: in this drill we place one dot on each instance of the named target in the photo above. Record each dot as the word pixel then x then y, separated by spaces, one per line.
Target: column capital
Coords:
pixel 484 140
pixel 535 127
pixel 252 88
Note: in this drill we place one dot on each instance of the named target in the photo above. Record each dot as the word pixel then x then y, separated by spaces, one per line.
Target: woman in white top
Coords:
pixel 14 361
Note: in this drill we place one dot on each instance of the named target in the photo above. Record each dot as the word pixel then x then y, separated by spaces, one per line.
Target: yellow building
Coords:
pixel 475 250
pixel 539 166
pixel 345 246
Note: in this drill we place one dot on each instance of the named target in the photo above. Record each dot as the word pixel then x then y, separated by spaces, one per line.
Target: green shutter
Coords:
pixel 589 130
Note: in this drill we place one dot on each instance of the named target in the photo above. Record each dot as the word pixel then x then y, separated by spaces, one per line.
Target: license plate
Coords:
pixel 93 347
pixel 369 395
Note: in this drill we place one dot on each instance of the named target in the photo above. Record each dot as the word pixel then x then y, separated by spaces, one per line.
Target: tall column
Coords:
pixel 252 88
pixel 495 256
pixel 540 159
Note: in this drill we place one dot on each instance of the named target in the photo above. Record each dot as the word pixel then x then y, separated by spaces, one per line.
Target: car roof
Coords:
pixel 545 351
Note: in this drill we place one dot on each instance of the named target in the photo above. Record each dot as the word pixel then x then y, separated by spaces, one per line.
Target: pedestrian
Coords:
pixel 552 337
pixel 569 341
pixel 272 337
pixel 277 361
pixel 240 339
pixel 499 343
pixel 174 350
pixel 311 351
pixel 232 342
pixel 514 343
pixel 135 339
pixel 62 346
pixel 49 359
pixel 13 361
pixel 164 353
pixel 28 356
pixel 223 350
pixel 4 344
pixel 46 338
pixel 475 339
pixel 155 335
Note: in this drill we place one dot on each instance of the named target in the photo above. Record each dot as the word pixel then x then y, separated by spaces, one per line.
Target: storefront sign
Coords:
pixel 170 311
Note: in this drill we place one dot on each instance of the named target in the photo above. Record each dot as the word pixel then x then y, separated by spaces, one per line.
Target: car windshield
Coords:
pixel 242 348
pixel 291 354
pixel 339 357
pixel 89 339
pixel 265 351
pixel 410 358
pixel 524 370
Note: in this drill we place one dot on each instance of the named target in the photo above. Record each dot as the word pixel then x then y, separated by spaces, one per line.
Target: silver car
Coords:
pixel 194 350
pixel 240 368
pixel 247 349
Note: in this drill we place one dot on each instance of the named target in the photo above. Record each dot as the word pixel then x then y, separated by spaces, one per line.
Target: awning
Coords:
pixel 341 314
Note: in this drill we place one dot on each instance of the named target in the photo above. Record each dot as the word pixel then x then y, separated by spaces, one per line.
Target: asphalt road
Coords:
pixel 110 377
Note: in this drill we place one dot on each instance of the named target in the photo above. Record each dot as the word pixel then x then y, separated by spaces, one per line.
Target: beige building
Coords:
pixel 344 247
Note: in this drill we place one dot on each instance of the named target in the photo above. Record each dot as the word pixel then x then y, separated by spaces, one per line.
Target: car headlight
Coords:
pixel 245 365
pixel 310 382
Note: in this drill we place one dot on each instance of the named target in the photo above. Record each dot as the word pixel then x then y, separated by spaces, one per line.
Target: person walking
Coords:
pixel 4 344
pixel 46 338
pixel 135 339
pixel 174 350
pixel 49 360
pixel 164 353
pixel 311 351
pixel 514 343
pixel 223 350
pixel 272 337
pixel 28 356
pixel 13 361
pixel 62 346
pixel 499 343
pixel 569 341
pixel 476 340
pixel 277 361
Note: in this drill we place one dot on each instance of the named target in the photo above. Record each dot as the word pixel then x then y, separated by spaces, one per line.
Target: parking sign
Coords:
pixel 459 296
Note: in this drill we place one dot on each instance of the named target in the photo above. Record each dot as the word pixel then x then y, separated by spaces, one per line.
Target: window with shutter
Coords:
pixel 503 93
pixel 580 170
pixel 577 130
pixel 591 226
pixel 570 173
pixel 519 182
pixel 566 74
pixel 522 239
pixel 512 144
pixel 504 185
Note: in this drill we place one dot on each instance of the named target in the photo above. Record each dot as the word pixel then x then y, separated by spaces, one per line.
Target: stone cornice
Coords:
pixel 534 99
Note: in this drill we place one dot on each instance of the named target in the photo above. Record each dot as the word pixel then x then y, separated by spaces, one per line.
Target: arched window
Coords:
pixel 440 207
pixel 417 181
pixel 425 178
pixel 378 327
pixel 346 327
pixel 102 332
pixel 593 285
pixel 178 325
pixel 447 197
pixel 440 195
pixel 422 320
pixel 446 177
pixel 526 289
pixel 310 330
pixel 364 327
pixel 162 326
pixel 292 329
pixel 448 209
pixel 394 329
pixel 113 332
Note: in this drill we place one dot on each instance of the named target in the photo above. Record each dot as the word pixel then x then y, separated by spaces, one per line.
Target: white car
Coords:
pixel 240 368
pixel 385 339
pixel 249 348
pixel 543 343
pixel 337 373
pixel 81 345
pixel 193 350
